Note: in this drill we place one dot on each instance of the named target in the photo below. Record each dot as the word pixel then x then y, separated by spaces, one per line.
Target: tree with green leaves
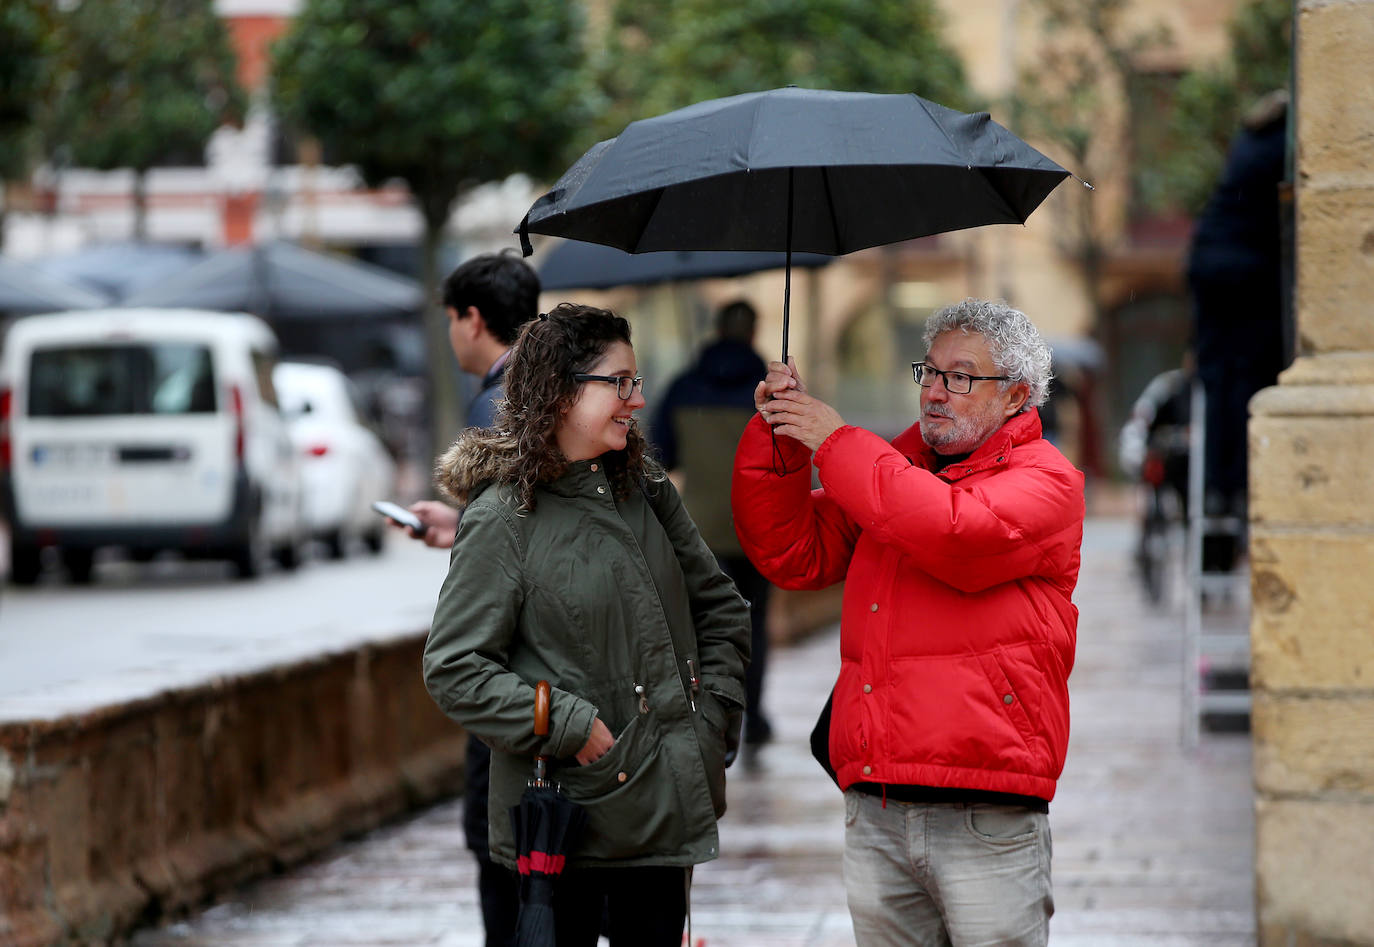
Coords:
pixel 1079 95
pixel 659 57
pixel 1210 102
pixel 26 46
pixel 142 83
pixel 444 95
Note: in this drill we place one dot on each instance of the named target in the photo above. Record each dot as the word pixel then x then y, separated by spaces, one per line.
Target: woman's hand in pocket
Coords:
pixel 597 745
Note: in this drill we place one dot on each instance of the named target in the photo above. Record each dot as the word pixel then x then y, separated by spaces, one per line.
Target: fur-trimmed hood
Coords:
pixel 480 456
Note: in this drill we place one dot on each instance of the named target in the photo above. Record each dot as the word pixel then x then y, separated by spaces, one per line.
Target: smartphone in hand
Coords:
pixel 399 514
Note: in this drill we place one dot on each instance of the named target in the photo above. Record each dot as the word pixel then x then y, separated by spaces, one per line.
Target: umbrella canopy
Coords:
pixel 546 825
pixel 577 265
pixel 795 169
pixel 25 290
pixel 282 281
pixel 866 169
pixel 118 269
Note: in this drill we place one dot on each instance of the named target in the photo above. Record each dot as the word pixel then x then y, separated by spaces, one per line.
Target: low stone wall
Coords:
pixel 111 819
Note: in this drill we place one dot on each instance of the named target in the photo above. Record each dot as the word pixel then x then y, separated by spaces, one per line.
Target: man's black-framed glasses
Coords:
pixel 956 383
pixel 625 386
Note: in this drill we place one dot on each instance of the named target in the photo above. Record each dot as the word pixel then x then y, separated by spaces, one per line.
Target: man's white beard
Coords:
pixel 965 436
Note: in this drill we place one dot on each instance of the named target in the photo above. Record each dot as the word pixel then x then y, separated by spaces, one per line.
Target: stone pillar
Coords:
pixel 1312 518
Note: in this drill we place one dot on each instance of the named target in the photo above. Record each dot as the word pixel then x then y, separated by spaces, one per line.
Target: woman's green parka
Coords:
pixel 618 604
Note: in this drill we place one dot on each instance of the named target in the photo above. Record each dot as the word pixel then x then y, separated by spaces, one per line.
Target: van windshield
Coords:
pixel 121 379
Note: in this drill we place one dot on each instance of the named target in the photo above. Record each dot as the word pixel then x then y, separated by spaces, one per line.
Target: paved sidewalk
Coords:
pixel 1153 846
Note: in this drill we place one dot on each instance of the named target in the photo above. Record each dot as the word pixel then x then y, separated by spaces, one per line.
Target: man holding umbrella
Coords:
pixel 959 543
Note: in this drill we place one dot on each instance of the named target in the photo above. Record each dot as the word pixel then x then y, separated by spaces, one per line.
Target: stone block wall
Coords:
pixel 116 817
pixel 1312 519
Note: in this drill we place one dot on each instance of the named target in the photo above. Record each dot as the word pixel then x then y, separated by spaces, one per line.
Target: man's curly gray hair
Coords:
pixel 1017 349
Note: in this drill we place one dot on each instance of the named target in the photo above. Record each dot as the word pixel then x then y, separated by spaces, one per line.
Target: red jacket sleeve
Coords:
pixel 971 535
pixel 798 538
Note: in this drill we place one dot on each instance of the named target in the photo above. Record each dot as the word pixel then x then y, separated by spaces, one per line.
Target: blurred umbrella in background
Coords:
pixel 577 265
pixel 25 290
pixel 281 281
pixel 118 269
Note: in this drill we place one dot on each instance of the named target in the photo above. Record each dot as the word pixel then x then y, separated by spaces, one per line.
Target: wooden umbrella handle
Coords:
pixel 542 694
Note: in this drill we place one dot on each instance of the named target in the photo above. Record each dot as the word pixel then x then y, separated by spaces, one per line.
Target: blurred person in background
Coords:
pixel 1234 278
pixel 696 428
pixel 488 299
pixel 577 563
pixel 959 545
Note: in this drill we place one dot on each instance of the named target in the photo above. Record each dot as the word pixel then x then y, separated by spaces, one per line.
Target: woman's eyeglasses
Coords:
pixel 625 386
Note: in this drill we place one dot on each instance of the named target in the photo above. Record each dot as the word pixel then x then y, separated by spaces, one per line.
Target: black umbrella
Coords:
pixel 795 169
pixel 118 269
pixel 25 290
pixel 547 824
pixel 577 265
pixel 282 281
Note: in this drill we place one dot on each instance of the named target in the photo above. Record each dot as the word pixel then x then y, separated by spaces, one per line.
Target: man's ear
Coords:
pixel 1017 398
pixel 474 314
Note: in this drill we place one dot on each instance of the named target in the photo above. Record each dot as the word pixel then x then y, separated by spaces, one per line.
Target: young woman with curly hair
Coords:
pixel 576 563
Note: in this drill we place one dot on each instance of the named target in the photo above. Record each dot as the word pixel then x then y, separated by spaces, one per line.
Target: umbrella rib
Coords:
pixel 653 209
pixel 830 207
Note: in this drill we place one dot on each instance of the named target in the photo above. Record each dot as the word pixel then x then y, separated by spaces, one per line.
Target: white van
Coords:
pixel 147 429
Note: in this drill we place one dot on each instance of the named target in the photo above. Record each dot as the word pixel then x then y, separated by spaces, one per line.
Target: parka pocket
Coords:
pixel 712 737
pixel 628 797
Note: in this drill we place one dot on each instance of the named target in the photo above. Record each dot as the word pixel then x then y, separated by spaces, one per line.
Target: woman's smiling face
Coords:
pixel 599 421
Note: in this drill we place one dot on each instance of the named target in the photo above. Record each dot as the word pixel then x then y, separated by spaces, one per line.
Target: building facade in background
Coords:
pixel 857 323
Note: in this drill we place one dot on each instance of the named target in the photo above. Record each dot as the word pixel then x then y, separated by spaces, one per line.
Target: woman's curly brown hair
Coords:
pixel 539 387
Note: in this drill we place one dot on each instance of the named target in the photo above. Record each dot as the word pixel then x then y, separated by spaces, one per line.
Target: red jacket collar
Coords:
pixel 1020 429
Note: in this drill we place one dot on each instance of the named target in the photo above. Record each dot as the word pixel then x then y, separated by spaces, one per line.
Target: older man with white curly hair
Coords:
pixel 959 546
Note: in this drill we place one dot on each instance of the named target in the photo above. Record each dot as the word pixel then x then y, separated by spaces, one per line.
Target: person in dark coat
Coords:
pixel 696 428
pixel 488 299
pixel 1234 280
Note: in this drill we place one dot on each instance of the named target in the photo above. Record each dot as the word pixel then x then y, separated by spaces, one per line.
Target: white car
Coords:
pixel 345 466
pixel 146 429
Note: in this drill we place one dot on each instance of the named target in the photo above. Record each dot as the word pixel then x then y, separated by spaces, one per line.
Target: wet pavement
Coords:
pixel 1153 845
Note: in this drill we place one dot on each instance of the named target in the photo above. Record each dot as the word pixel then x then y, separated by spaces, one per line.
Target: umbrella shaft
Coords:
pixel 787 278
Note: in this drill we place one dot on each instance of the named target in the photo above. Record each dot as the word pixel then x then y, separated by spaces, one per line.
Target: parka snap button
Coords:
pixel 600 489
pixel 868 770
pixel 594 468
pixel 1008 699
pixel 868 688
pixel 873 607
pixel 621 776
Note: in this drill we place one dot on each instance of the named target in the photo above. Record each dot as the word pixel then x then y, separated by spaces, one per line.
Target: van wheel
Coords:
pixel 249 557
pixel 288 555
pixel 80 564
pixel 335 545
pixel 25 564
pixel 373 540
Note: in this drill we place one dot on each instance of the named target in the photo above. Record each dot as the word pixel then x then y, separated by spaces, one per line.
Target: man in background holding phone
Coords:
pixel 487 299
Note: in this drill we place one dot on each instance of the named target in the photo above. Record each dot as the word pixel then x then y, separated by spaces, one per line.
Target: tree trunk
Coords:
pixel 140 200
pixel 445 413
pixel 4 211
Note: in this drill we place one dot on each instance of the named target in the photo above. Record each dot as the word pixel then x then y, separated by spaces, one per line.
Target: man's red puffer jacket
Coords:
pixel 958 629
